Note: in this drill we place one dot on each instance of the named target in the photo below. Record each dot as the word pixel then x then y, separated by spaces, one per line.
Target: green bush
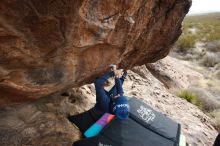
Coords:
pixel 207 26
pixel 190 97
pixel 186 42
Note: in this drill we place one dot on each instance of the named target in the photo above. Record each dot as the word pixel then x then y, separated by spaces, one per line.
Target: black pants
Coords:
pixel 217 140
pixel 85 120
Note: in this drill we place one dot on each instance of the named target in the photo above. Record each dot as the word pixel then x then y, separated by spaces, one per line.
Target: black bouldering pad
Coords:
pixel 145 127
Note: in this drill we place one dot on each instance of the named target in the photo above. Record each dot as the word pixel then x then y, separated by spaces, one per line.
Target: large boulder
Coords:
pixel 50 45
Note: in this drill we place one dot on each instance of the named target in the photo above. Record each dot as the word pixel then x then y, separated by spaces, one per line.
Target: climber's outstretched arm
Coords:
pixel 118 85
pixel 102 98
pixel 114 92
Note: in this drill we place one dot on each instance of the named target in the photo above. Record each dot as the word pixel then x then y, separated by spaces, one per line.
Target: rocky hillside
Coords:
pixel 199 45
pixel 199 49
pixel 44 121
pixel 50 45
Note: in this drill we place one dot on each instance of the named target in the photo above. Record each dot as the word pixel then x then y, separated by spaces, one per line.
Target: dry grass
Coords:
pixel 206 102
pixel 190 97
pixel 210 60
pixel 216 116
pixel 209 104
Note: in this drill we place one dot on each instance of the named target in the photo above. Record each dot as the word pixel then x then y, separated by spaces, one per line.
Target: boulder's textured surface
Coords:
pixel 50 45
pixel 44 122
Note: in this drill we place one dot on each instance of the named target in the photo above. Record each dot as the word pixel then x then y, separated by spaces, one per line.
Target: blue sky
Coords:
pixel 204 6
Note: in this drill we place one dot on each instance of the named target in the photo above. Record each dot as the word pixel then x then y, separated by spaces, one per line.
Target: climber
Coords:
pixel 113 102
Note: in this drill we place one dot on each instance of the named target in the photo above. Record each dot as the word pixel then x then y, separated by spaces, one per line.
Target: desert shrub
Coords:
pixel 217 49
pixel 214 35
pixel 217 74
pixel 216 116
pixel 210 60
pixel 185 43
pixel 190 97
pixel 217 66
pixel 200 97
pixel 209 104
pixel 208 101
pixel 213 46
pixel 190 25
pixel 208 26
